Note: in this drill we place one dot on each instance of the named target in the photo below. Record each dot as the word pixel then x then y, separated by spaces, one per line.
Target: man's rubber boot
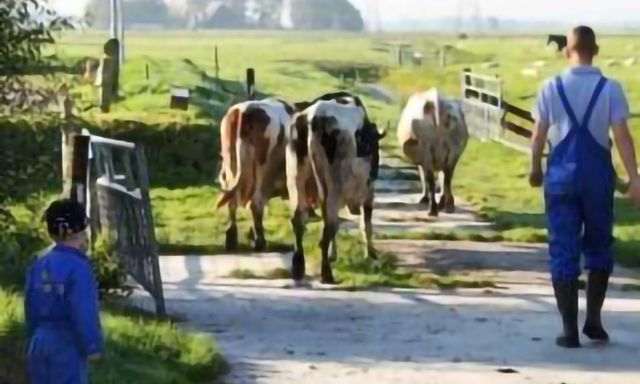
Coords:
pixel 567 299
pixel 596 292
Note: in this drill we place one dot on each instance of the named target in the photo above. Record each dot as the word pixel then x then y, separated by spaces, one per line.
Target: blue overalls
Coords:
pixel 62 316
pixel 579 190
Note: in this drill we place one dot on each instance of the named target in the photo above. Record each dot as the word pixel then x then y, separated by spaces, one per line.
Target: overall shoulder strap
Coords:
pixel 565 101
pixel 594 100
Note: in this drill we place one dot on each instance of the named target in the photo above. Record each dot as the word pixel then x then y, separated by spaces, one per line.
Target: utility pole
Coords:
pixel 121 26
pixel 113 21
pixel 477 16
pixel 116 27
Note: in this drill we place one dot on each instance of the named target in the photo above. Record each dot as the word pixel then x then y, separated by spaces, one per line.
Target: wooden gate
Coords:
pixel 120 208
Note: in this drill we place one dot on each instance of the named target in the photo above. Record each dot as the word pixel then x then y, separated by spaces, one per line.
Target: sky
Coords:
pixel 570 11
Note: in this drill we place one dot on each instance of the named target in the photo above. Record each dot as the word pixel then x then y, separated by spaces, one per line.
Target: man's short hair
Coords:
pixel 584 40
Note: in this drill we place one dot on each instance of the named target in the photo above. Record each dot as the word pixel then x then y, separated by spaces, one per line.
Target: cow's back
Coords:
pixel 423 140
pixel 412 112
pixel 333 150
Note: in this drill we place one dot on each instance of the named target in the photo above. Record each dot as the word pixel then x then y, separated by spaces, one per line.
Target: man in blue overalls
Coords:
pixel 61 303
pixel 575 111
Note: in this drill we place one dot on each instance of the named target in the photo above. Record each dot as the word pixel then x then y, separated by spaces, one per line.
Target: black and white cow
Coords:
pixel 332 161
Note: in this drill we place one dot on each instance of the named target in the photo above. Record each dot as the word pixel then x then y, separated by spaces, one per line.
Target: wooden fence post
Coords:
pixel 79 168
pixel 443 56
pixel 66 131
pixel 76 175
pixel 251 83
pixel 108 76
pixel 217 64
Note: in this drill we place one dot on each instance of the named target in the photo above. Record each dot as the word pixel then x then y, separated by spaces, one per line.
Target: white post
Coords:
pixel 113 24
pixel 121 32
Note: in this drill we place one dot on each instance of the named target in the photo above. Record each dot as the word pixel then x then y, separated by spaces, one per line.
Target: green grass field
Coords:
pixel 299 67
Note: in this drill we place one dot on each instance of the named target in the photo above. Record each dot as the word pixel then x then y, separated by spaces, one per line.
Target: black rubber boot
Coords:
pixel 567 299
pixel 596 292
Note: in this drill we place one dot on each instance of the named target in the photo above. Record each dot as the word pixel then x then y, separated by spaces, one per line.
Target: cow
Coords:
pixel 332 161
pixel 560 41
pixel 252 140
pixel 432 133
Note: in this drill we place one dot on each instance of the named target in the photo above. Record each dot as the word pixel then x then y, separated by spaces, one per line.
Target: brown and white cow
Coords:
pixel 433 135
pixel 252 139
pixel 332 161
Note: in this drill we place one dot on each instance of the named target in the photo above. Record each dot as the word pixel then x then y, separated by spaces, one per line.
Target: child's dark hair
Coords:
pixel 584 41
pixel 64 218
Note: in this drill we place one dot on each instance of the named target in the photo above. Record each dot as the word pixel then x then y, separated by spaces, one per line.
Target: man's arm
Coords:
pixel 541 113
pixel 539 142
pixel 624 143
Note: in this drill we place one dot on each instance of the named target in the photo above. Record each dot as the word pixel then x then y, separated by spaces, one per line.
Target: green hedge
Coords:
pixel 178 154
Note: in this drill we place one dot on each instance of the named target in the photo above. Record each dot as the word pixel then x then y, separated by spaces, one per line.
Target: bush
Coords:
pixel 108 269
pixel 178 154
pixel 22 236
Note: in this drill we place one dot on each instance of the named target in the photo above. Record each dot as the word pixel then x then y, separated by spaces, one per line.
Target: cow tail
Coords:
pixel 235 160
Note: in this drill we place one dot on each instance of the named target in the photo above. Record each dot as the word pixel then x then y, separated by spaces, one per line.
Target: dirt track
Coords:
pixel 273 333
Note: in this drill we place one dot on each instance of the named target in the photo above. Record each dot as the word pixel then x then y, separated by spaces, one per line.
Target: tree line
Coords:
pixel 231 14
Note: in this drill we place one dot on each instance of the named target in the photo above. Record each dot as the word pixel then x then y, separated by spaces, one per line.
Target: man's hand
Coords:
pixel 624 142
pixel 536 177
pixel 539 142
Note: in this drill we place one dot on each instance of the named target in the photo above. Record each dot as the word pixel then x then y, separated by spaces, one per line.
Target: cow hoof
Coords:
pixel 450 208
pixel 327 275
pixel 442 204
pixel 260 245
pixel 433 213
pixel 372 254
pixel 328 280
pixel 297 266
pixel 231 239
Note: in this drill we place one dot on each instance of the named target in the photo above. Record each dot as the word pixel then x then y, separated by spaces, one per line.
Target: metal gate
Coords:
pixel 120 208
pixel 482 104
pixel 490 117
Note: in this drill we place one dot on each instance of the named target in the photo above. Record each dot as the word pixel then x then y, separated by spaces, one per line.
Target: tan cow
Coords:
pixel 332 156
pixel 252 140
pixel 433 135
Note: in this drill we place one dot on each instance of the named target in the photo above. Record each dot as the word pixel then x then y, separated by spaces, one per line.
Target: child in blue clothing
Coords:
pixel 576 111
pixel 61 303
